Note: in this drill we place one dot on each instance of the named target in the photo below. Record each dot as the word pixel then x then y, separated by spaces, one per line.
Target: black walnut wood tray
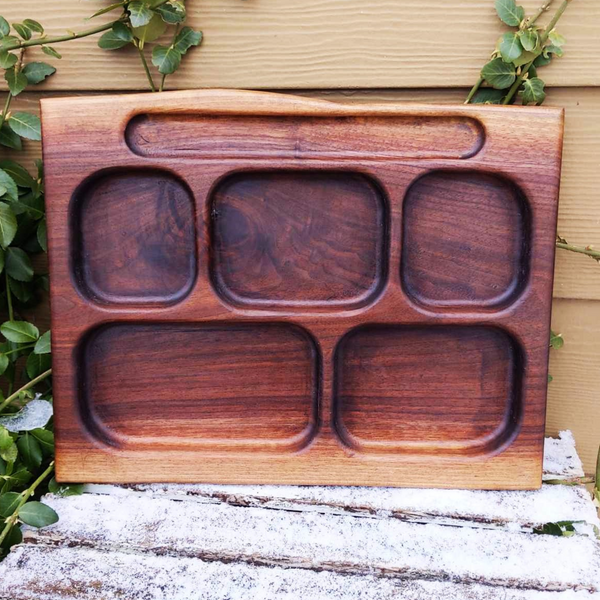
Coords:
pixel 259 288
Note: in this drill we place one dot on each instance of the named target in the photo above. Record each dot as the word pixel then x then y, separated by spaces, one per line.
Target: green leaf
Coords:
pixel 8 187
pixel 509 12
pixel 36 72
pixel 38 364
pixel 8 225
pixel 42 236
pixel 139 13
pixel 18 264
pixel 552 49
pixel 556 340
pixel 533 91
pixel 19 174
pixel 9 138
pixel 21 289
pixel 37 514
pixel 65 489
pixel 45 439
pixel 556 38
pixel 4 27
pixel 20 332
pixel 529 39
pixel 26 125
pixel 30 451
pixel 22 30
pixel 33 25
pixel 10 453
pixel 166 59
pixel 21 476
pixel 16 81
pixel 9 503
pixel 120 35
pixel 498 74
pixel 13 538
pixel 542 61
pixel 187 38
pixel 43 345
pixel 5 438
pixel 3 363
pixel 51 52
pixel 152 31
pixel 510 47
pixel 7 59
pixel 1 260
pixel 171 12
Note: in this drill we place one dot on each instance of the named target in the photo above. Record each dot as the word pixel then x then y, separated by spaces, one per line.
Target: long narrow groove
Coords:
pixel 333 567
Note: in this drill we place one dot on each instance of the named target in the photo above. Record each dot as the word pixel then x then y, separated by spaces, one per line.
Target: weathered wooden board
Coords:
pixel 317 44
pixel 261 242
pixel 198 542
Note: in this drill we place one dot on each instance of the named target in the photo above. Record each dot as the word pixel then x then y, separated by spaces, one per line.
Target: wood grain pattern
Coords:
pixel 298 238
pixel 176 386
pixel 135 238
pixel 482 258
pixel 503 451
pixel 317 43
pixel 431 390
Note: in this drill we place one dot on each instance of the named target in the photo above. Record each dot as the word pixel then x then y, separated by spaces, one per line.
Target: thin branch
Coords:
pixel 570 482
pixel 28 385
pixel 541 10
pixel 543 38
pixel 25 496
pixel 145 65
pixel 474 90
pixel 587 250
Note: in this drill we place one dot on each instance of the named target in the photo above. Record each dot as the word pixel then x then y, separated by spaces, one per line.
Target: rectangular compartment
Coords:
pixel 176 385
pixel 427 389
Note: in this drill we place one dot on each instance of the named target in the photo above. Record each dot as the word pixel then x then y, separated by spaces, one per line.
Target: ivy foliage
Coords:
pixel 144 22
pixel 512 71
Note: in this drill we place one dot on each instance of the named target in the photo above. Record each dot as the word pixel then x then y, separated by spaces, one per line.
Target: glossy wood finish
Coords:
pixel 375 317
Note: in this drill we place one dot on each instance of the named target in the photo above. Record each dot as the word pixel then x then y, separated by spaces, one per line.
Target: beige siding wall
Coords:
pixel 388 50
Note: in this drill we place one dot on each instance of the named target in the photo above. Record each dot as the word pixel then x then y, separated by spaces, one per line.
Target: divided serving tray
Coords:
pixel 258 288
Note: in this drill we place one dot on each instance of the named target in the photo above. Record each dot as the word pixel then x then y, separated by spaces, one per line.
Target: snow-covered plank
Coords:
pixel 472 508
pixel 46 573
pixel 561 460
pixel 341 543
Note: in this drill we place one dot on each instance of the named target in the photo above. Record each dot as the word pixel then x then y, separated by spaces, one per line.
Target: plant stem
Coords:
pixel 597 483
pixel 474 90
pixel 70 36
pixel 543 38
pixel 28 385
pixel 25 496
pixel 541 10
pixel 570 482
pixel 11 314
pixel 18 349
pixel 595 254
pixel 60 38
pixel 5 110
pixel 145 65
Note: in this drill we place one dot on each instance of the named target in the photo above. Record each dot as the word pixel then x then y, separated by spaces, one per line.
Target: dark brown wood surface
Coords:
pixel 256 288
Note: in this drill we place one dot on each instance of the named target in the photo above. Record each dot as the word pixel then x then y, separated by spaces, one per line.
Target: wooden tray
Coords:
pixel 256 288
